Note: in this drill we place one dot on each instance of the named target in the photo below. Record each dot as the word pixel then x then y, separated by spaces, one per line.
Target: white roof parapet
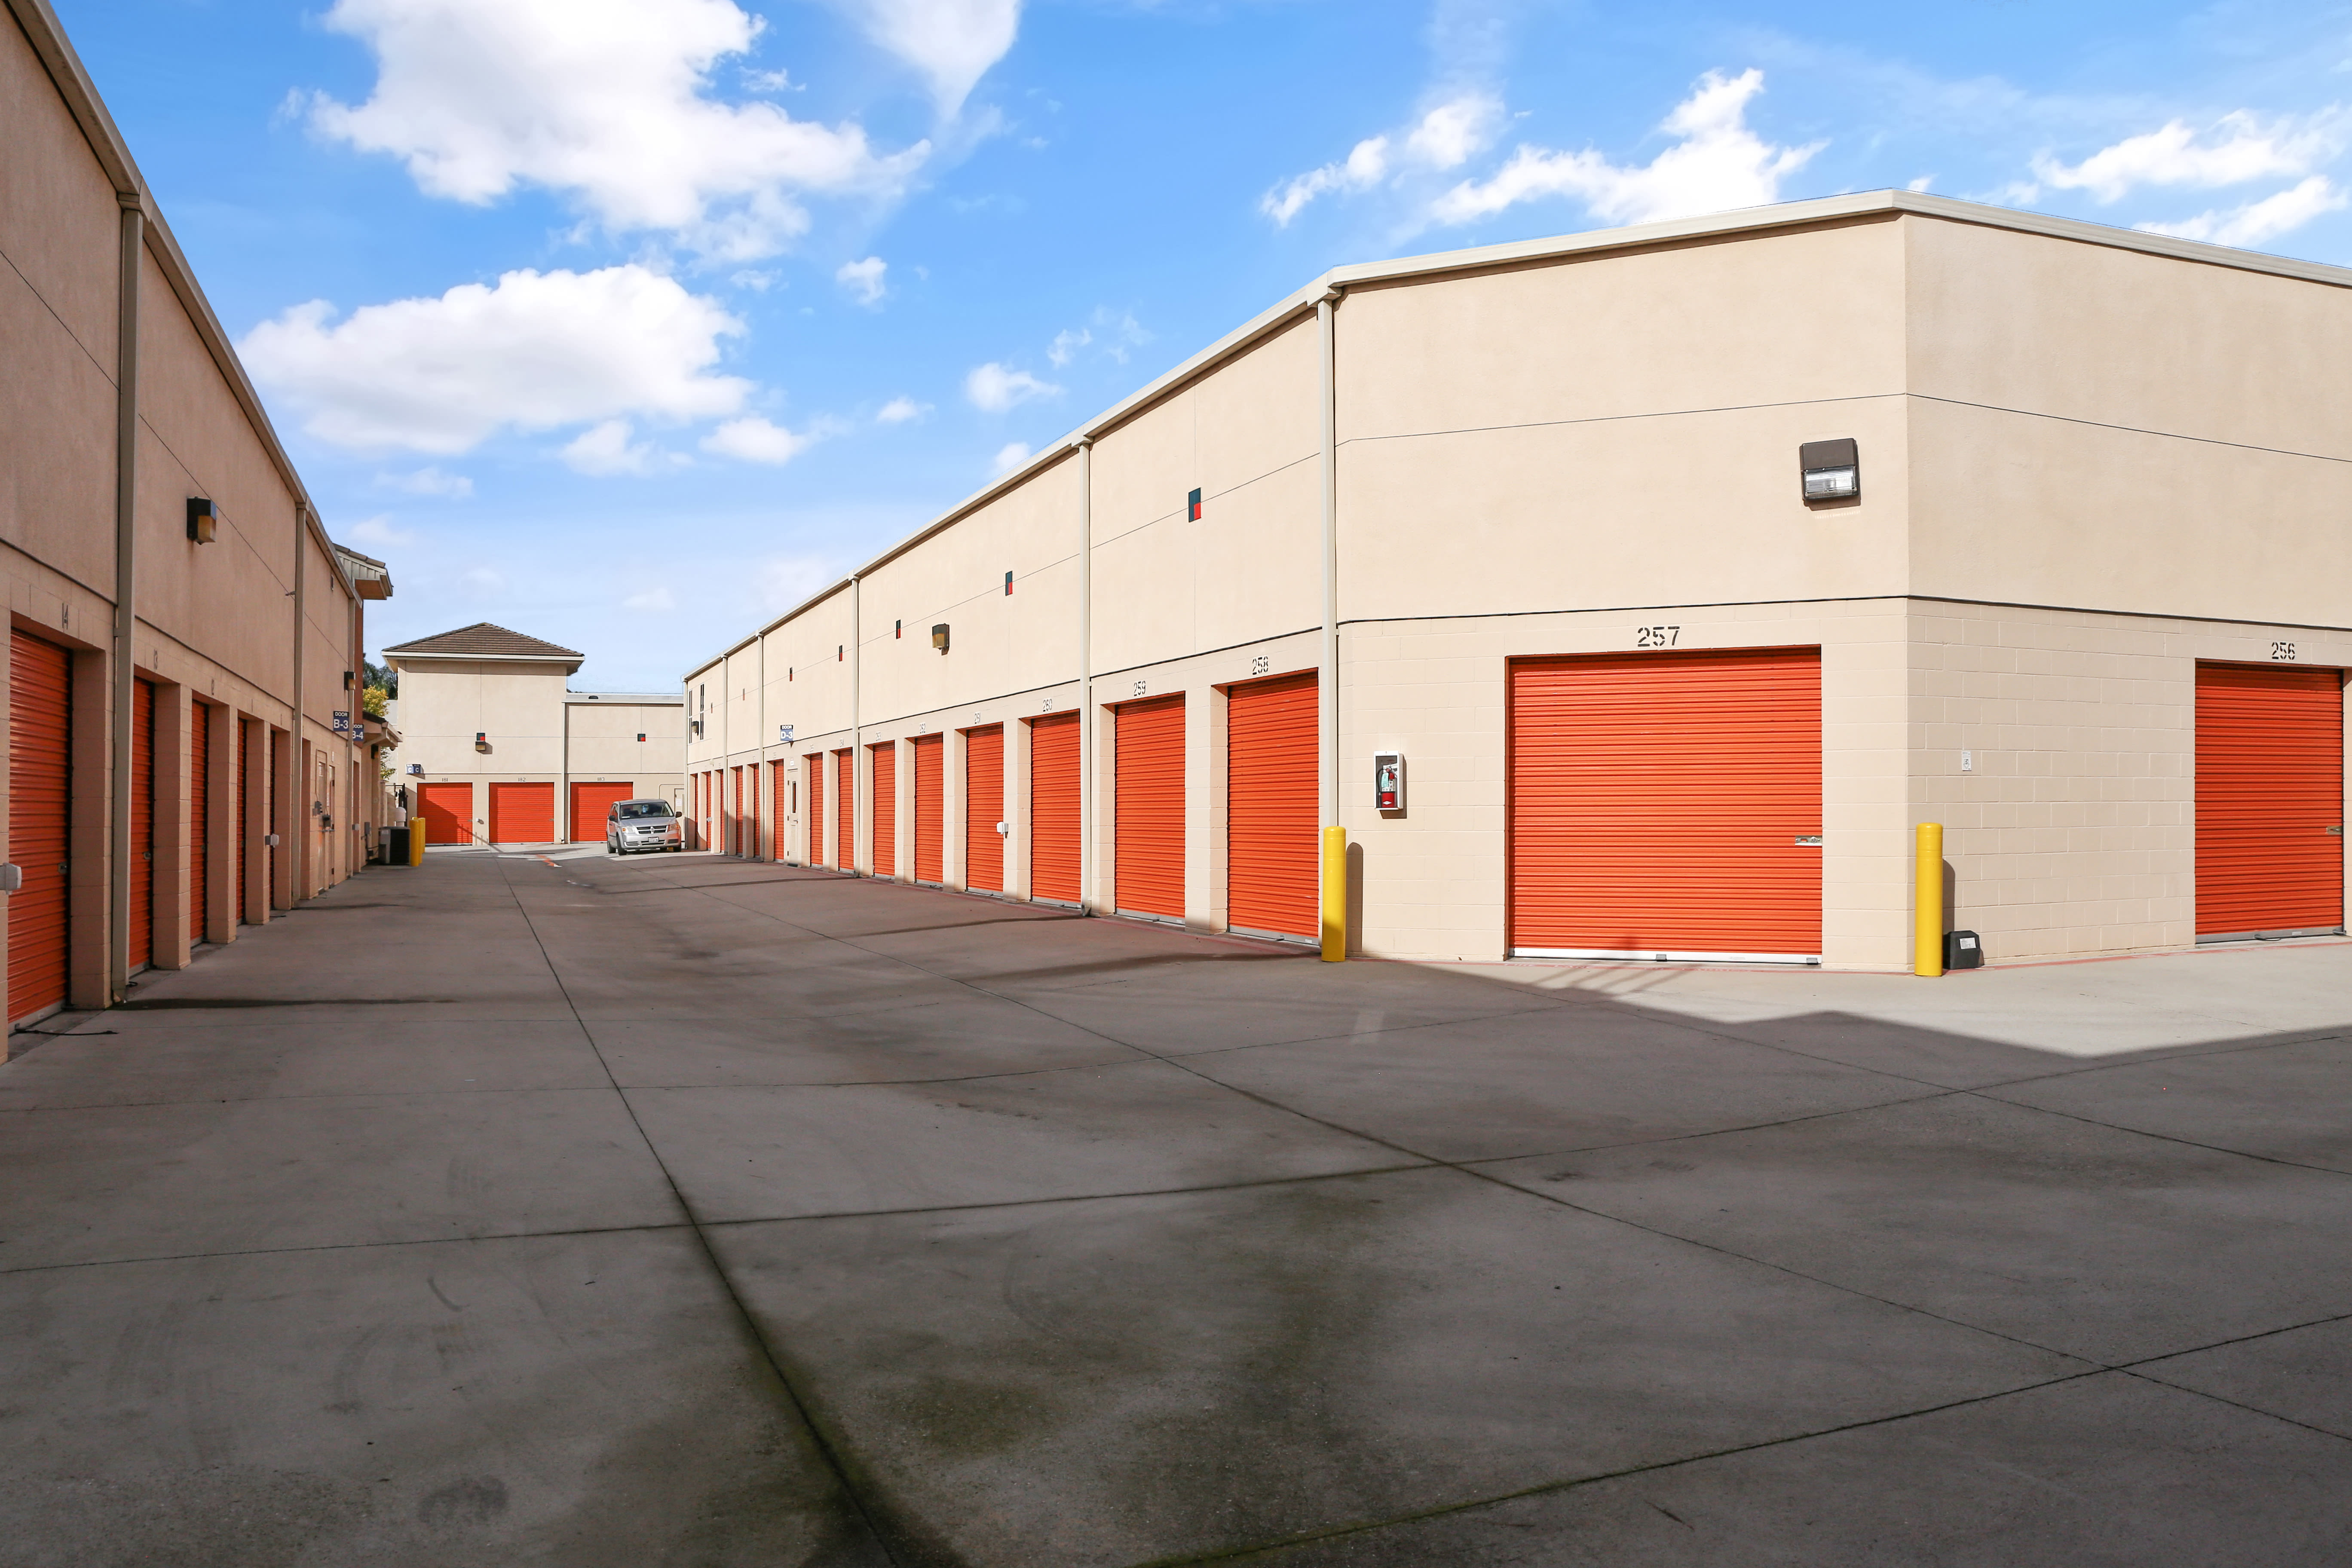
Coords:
pixel 1746 220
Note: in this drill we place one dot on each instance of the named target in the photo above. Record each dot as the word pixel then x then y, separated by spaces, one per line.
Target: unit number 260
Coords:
pixel 1657 637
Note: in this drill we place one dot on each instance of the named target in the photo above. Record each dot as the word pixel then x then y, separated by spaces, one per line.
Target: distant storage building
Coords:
pixel 494 750
pixel 1633 595
pixel 187 752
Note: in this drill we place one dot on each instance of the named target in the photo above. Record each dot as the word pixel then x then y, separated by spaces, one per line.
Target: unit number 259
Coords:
pixel 1657 637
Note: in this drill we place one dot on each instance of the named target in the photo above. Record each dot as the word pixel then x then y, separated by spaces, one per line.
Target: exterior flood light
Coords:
pixel 940 637
pixel 1832 469
pixel 203 519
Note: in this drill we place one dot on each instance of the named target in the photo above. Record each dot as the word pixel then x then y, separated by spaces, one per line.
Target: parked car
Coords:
pixel 634 824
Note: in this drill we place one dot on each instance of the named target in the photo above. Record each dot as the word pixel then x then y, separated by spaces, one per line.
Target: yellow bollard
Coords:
pixel 1335 895
pixel 1927 917
pixel 416 840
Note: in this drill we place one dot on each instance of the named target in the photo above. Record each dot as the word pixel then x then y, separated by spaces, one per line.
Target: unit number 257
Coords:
pixel 1657 637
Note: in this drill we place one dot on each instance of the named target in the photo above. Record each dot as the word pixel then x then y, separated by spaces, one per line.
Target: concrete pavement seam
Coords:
pixel 341 1246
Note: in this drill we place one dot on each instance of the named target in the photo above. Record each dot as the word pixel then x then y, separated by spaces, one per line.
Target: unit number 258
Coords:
pixel 1657 637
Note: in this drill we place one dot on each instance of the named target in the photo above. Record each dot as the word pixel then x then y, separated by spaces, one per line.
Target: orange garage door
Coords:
pixel 845 809
pixel 2270 800
pixel 885 769
pixel 448 812
pixel 813 768
pixel 1272 868
pixel 930 807
pixel 200 819
pixel 243 768
pixel 40 801
pixel 590 804
pixel 1667 805
pixel 1149 831
pixel 523 814
pixel 983 808
pixel 1054 808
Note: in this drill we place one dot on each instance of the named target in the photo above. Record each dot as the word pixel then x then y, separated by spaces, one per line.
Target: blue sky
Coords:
pixel 628 322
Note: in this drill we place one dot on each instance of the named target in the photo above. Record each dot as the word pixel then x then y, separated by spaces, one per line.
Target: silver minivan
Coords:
pixel 634 824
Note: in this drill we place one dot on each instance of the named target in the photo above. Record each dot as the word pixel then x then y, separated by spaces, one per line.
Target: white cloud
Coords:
pixel 484 581
pixel 531 352
pixel 1445 138
pixel 651 601
pixel 898 410
pixel 951 42
pixel 994 389
pixel 864 278
pixel 429 482
pixel 758 279
pixel 2255 222
pixel 603 451
pixel 1363 168
pixel 377 530
pixel 1067 344
pixel 1718 164
pixel 1009 457
pixel 605 101
pixel 2238 148
pixel 752 439
pixel 1112 334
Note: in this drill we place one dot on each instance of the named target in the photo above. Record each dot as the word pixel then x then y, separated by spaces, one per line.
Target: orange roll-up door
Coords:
pixel 40 806
pixel 241 791
pixel 591 807
pixel 2270 799
pixel 930 808
pixel 523 813
pixel 885 771
pixel 1148 833
pixel 1054 808
pixel 449 810
pixel 270 817
pixel 200 818
pixel 813 770
pixel 845 809
pixel 983 808
pixel 1272 866
pixel 1667 804
pixel 142 823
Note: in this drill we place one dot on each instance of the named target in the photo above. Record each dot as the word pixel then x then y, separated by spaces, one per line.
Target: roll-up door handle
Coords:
pixel 2337 830
pixel 1813 838
pixel 12 879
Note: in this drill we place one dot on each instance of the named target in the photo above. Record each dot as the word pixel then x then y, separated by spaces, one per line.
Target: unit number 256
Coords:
pixel 1657 637
pixel 2283 651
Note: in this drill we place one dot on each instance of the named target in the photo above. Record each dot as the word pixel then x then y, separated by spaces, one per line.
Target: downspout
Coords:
pixel 296 841
pixel 126 515
pixel 1086 675
pixel 857 748
pixel 563 765
pixel 760 750
pixel 1329 675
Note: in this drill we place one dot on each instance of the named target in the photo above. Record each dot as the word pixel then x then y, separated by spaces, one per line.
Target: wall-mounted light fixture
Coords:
pixel 481 740
pixel 1192 507
pixel 203 519
pixel 840 652
pixel 897 629
pixel 1832 469
pixel 417 770
pixel 940 637
pixel 347 681
pixel 641 734
pixel 1008 585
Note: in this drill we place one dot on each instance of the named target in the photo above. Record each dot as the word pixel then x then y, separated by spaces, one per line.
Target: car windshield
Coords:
pixel 630 810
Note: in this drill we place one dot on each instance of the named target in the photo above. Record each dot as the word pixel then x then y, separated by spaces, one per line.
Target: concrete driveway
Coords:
pixel 681 1211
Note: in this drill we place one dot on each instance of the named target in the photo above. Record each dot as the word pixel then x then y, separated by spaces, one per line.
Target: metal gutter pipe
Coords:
pixel 126 535
pixel 1087 855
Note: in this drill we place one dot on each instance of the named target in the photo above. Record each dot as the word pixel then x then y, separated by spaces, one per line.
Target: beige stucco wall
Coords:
pixel 445 703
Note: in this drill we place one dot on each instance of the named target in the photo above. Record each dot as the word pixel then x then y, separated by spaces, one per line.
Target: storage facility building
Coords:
pixel 185 740
pixel 1633 595
pixel 494 748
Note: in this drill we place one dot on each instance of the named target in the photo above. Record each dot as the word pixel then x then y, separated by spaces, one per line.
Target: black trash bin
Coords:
pixel 395 846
